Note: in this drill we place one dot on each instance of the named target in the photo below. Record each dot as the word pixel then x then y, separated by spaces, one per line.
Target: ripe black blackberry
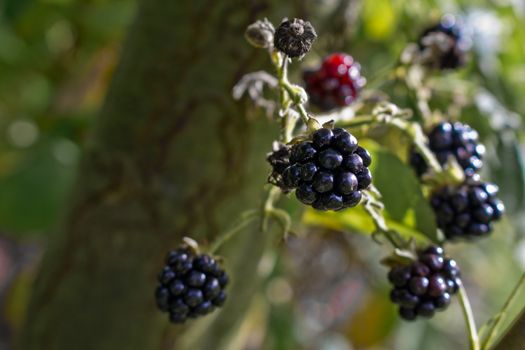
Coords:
pixel 443 45
pixel 336 83
pixel 190 285
pixel 468 210
pixel 452 140
pixel 426 285
pixel 329 171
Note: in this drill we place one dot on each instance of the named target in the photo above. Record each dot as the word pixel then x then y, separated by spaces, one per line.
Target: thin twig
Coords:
pixel 469 319
pixel 485 345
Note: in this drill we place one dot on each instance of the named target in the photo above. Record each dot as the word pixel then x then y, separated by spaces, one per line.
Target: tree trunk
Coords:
pixel 171 155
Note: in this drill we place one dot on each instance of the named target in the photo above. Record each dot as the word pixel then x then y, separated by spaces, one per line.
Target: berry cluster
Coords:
pixel 190 285
pixel 443 45
pixel 426 285
pixel 329 171
pixel 467 211
pixel 336 83
pixel 452 140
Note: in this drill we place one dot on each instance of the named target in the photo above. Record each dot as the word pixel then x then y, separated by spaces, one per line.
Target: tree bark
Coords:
pixel 171 155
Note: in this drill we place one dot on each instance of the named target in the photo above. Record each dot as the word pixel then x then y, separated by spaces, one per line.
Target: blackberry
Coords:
pixel 190 285
pixel 452 140
pixel 443 45
pixel 426 285
pixel 467 210
pixel 328 172
pixel 336 83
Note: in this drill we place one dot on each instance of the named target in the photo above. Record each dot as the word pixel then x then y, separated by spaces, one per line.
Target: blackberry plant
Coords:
pixel 323 165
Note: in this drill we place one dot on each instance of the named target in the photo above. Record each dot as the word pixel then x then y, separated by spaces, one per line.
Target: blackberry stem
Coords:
pixel 469 319
pixel 487 342
pixel 374 208
pixel 246 218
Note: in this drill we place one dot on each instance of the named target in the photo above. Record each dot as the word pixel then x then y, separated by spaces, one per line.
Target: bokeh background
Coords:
pixel 324 288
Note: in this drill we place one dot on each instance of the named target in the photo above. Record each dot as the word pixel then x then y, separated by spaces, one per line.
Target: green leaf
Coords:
pixel 33 194
pixel 401 192
pixel 497 326
pixel 14 8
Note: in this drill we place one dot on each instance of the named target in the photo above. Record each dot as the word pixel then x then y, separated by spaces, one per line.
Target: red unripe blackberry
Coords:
pixel 336 83
pixel 426 285
pixel 190 285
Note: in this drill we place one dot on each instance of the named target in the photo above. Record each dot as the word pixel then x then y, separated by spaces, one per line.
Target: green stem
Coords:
pixel 372 207
pixel 412 130
pixel 245 220
pixel 469 319
pixel 499 318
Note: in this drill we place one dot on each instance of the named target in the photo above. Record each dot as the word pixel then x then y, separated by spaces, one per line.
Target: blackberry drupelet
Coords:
pixel 328 172
pixel 452 140
pixel 467 210
pixel 443 45
pixel 190 285
pixel 426 285
pixel 336 83
pixel 279 159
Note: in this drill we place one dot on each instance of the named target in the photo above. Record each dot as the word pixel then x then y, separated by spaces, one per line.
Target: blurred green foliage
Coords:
pixel 56 58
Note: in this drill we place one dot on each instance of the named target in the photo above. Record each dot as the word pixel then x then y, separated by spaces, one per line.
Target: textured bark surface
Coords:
pixel 171 155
